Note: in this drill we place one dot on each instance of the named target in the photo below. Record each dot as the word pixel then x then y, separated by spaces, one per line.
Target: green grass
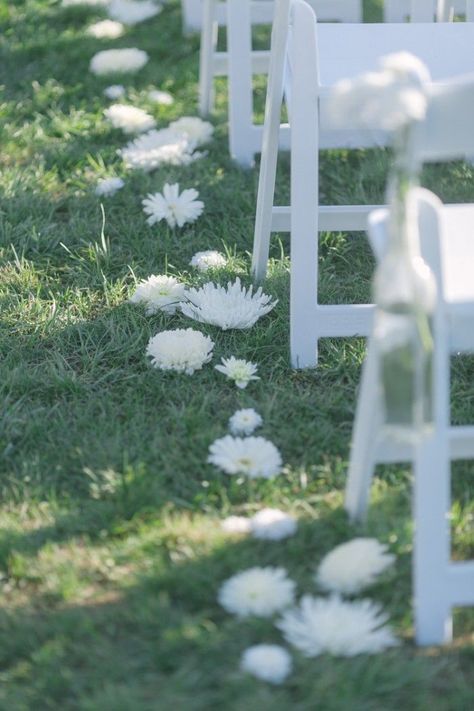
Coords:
pixel 111 553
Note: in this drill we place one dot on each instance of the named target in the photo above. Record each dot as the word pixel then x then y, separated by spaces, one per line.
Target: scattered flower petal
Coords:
pixel 112 61
pixel 255 457
pixel 115 91
pixel 160 97
pixel 353 566
pixel 272 525
pixel 131 12
pixel 257 591
pixel 174 207
pixel 182 350
pixel 129 119
pixel 106 29
pixel 333 626
pixel 109 186
pixel 159 293
pixel 268 662
pixel 197 130
pixel 239 370
pixel 244 422
pixel 209 259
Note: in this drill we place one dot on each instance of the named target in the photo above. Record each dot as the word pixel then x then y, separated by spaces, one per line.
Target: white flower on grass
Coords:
pixel 174 207
pixel 244 422
pixel 109 186
pixel 386 99
pixel 209 259
pixel 268 662
pixel 160 97
pixel 239 370
pixel 159 293
pixel 354 565
pixel 129 119
pixel 106 29
pixel 131 12
pixel 331 625
pixel 73 3
pixel 256 457
pixel 111 61
pixel 115 91
pixel 272 525
pixel 182 350
pixel 194 128
pixel 228 307
pixel 236 524
pixel 156 148
pixel 257 591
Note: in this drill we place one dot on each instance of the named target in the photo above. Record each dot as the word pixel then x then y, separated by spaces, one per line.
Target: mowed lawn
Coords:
pixel 111 550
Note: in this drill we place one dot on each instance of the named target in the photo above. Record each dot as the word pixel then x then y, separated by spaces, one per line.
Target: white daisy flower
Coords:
pixel 109 186
pixel 106 29
pixel 256 457
pixel 131 12
pixel 111 61
pixel 244 422
pixel 353 566
pixel 174 207
pixel 236 524
pixel 320 625
pixel 156 148
pixel 209 259
pixel 159 293
pixel 268 662
pixel 228 307
pixel 129 119
pixel 194 128
pixel 239 370
pixel 182 350
pixel 257 591
pixel 272 525
pixel 115 91
pixel 160 97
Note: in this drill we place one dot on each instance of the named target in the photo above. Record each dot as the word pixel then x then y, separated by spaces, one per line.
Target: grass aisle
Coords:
pixel 111 551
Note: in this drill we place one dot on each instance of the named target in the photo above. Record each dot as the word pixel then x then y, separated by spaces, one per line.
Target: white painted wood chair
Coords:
pixel 447 244
pixel 316 56
pixel 218 13
pixel 426 10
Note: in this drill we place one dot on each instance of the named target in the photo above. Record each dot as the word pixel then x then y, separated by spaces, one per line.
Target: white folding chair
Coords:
pixel 447 244
pixel 218 13
pixel 316 57
pixel 426 10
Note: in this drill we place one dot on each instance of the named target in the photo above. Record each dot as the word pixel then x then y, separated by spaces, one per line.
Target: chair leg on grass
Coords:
pixel 208 47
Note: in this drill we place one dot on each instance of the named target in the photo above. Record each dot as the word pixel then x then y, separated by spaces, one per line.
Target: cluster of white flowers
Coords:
pixel 181 350
pixel 115 61
pixel 209 259
pixel 174 207
pixel 129 119
pixel 109 186
pixel 106 29
pixel 159 293
pixel 131 12
pixel 231 307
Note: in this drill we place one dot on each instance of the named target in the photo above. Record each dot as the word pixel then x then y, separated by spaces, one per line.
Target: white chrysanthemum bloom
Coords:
pixel 386 99
pixel 353 566
pixel 115 91
pixel 159 293
pixel 236 524
pixel 106 29
pixel 131 12
pixel 109 186
pixel 268 662
pixel 161 97
pixel 257 591
pixel 194 128
pixel 182 350
pixel 210 259
pixel 156 148
pixel 129 119
pixel 256 457
pixel 244 422
pixel 111 61
pixel 239 370
pixel 228 307
pixel 331 625
pixel 174 207
pixel 272 525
